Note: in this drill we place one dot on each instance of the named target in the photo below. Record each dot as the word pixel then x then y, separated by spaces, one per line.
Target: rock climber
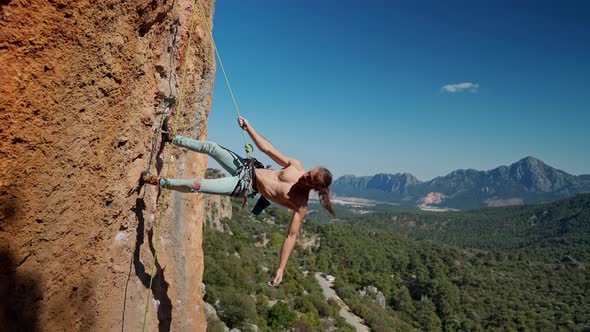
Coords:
pixel 288 187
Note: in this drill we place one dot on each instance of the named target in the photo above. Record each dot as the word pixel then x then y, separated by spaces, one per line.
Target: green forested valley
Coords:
pixel 555 230
pixel 500 269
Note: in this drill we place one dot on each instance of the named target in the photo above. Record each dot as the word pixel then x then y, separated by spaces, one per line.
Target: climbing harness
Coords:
pixel 246 186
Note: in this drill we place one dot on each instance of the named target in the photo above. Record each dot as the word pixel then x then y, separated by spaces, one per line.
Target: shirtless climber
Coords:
pixel 289 186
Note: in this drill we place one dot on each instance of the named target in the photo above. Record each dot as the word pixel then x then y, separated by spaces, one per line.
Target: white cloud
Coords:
pixel 460 87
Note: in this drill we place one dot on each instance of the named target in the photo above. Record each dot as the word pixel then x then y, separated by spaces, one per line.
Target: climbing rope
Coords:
pixel 247 147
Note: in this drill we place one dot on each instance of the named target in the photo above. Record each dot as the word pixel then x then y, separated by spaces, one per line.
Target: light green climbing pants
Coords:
pixel 230 161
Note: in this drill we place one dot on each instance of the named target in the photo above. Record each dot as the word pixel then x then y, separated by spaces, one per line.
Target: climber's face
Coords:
pixel 311 179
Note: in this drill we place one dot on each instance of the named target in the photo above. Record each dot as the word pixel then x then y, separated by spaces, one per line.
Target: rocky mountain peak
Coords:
pixel 537 176
pixel 530 163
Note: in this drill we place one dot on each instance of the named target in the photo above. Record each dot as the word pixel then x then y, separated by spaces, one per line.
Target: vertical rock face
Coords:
pixel 84 86
pixel 216 207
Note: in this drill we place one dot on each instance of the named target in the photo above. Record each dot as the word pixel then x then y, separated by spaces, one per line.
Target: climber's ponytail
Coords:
pixel 324 189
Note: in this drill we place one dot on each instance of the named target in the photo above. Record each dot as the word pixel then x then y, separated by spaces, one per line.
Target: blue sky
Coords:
pixel 424 87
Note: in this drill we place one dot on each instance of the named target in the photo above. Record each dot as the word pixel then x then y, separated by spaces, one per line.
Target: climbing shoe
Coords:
pixel 148 178
pixel 167 135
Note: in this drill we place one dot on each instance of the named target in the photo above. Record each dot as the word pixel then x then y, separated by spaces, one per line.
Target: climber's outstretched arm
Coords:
pixel 265 146
pixel 289 244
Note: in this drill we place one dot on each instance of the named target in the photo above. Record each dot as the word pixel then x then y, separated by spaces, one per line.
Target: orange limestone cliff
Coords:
pixel 84 88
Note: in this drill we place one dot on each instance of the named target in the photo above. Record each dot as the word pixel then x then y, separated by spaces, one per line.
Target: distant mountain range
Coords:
pixel 528 180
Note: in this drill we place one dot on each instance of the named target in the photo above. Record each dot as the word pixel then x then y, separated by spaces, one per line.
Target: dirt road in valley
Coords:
pixel 351 318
